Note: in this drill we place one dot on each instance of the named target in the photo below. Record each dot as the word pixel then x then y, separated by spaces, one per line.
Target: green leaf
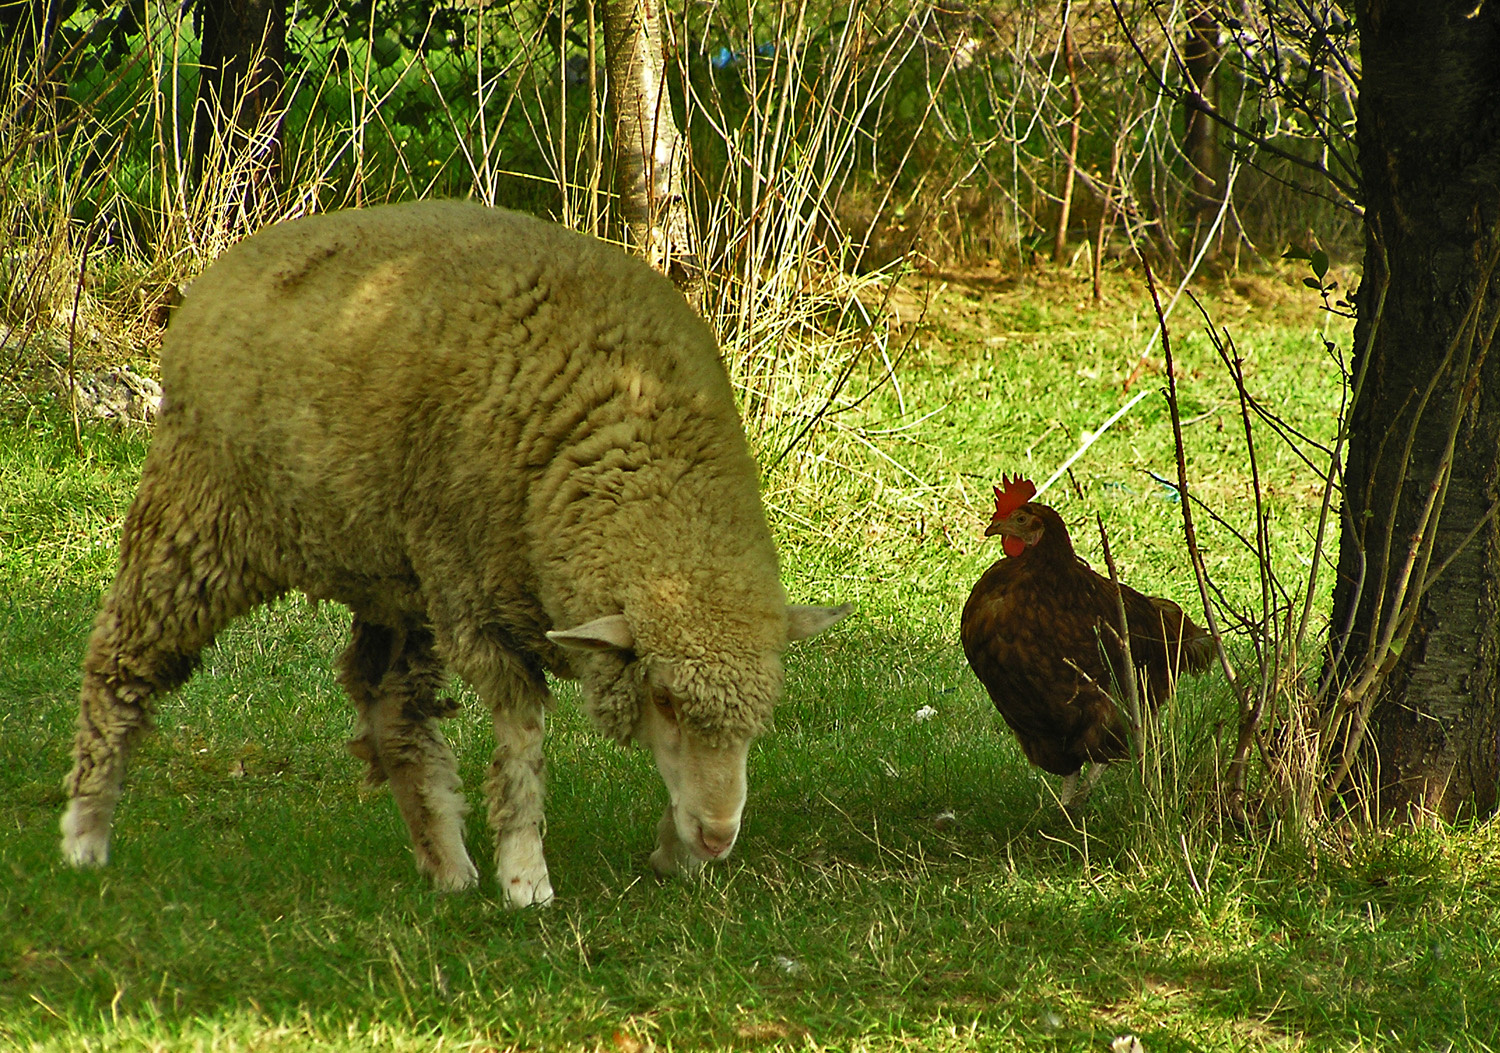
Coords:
pixel 385 51
pixel 1319 263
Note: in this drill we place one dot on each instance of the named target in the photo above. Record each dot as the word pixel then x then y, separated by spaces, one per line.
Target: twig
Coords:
pixel 1238 775
pixel 1250 718
pixel 83 266
pixel 1195 101
pixel 1125 677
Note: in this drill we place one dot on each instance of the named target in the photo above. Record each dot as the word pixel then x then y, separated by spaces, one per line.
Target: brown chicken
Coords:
pixel 1038 629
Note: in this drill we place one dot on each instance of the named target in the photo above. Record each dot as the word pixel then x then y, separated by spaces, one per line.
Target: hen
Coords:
pixel 1040 626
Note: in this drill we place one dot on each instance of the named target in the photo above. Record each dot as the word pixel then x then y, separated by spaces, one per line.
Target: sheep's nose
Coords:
pixel 716 839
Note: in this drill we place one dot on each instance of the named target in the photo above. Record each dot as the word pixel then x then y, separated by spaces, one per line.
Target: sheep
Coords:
pixel 511 450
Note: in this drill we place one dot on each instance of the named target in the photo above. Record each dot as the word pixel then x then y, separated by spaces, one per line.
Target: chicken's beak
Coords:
pixel 1001 526
pixel 1015 541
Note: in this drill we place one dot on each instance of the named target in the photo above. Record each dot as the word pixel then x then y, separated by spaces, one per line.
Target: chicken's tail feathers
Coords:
pixel 1197 648
pixel 1194 647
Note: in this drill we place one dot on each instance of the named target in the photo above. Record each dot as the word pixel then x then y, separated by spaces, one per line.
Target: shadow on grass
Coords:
pixel 901 880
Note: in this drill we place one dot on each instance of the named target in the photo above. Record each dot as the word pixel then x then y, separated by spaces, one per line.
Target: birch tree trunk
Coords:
pixel 649 149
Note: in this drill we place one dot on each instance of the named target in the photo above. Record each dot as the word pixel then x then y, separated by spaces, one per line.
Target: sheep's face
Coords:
pixel 697 718
pixel 705 782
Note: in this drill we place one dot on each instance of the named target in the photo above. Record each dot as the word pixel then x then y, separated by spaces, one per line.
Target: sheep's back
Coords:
pixel 413 393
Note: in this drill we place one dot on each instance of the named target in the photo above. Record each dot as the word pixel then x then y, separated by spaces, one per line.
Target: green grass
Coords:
pixel 259 899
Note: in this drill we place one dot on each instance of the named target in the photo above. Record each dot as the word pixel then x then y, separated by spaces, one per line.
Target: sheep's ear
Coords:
pixel 609 633
pixel 802 621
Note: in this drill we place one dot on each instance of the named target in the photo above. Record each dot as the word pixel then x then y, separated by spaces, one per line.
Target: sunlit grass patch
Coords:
pixel 904 879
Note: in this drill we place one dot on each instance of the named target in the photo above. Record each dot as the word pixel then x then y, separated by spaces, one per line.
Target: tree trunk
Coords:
pixel 1425 424
pixel 1200 57
pixel 649 150
pixel 1075 120
pixel 26 28
pixel 26 35
pixel 236 121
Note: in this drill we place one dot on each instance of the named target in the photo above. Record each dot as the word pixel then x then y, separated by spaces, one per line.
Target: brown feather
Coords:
pixel 1040 630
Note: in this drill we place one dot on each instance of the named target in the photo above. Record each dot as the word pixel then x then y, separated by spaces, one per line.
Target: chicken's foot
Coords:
pixel 1075 791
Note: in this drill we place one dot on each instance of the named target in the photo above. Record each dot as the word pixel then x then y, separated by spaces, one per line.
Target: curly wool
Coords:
pixel 486 423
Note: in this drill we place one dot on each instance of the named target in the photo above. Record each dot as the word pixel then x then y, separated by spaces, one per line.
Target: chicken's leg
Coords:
pixel 1073 795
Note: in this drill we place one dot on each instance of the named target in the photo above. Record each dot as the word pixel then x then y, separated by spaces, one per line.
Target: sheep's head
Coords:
pixel 690 712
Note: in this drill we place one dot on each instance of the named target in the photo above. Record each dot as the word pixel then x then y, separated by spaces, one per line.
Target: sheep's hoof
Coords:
pixel 458 878
pixel 85 840
pixel 673 861
pixel 672 858
pixel 521 893
pixel 522 870
pixel 664 862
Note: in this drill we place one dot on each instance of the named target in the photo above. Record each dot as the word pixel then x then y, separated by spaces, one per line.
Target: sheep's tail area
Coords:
pixel 181 578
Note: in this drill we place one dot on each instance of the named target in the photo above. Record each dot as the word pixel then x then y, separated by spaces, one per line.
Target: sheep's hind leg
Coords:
pixel 114 710
pixel 393 676
pixel 178 583
pixel 516 785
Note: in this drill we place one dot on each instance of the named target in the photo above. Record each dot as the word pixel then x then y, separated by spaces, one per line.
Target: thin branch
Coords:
pixel 1193 100
pixel 83 266
pixel 1195 554
pixel 1125 676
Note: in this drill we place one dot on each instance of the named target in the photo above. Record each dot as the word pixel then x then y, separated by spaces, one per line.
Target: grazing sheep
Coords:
pixel 511 450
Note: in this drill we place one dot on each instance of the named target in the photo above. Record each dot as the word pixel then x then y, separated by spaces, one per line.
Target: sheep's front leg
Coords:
pixel 112 717
pixel 672 858
pixel 393 677
pixel 515 790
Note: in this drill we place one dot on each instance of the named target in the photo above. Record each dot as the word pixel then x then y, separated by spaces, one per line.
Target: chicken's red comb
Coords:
pixel 1016 493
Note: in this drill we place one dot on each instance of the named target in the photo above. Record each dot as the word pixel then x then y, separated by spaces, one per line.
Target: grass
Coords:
pixel 900 883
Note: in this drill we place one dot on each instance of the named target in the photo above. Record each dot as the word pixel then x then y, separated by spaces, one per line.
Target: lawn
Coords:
pixel 903 880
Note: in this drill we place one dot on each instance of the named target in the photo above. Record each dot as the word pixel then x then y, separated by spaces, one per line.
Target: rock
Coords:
pixel 120 395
